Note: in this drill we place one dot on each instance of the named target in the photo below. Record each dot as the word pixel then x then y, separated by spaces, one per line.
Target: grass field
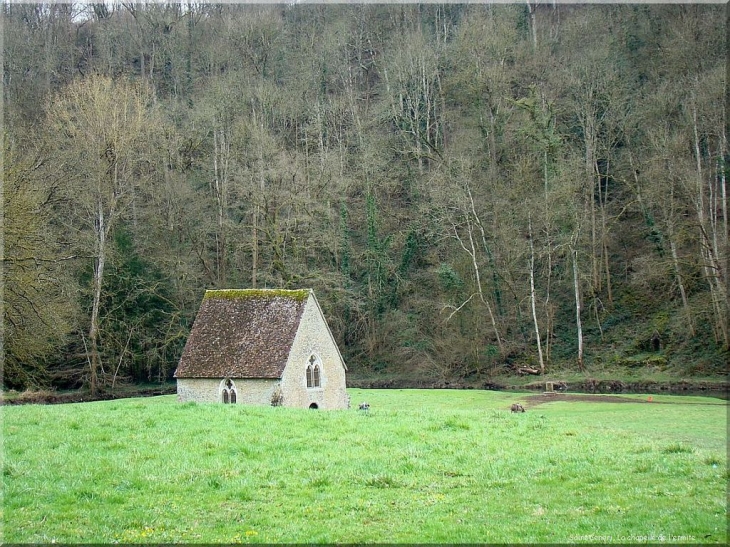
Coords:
pixel 421 466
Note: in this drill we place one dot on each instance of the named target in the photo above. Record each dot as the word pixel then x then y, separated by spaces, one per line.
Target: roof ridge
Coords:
pixel 294 294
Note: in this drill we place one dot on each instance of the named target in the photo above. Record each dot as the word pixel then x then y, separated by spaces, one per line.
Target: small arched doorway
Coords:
pixel 314 406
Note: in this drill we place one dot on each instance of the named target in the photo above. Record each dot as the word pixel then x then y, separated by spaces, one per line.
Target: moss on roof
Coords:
pixel 299 294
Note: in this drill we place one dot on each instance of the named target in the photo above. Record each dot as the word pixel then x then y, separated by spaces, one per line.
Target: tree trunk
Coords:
pixel 255 247
pixel 680 283
pixel 578 323
pixel 604 234
pixel 218 146
pixel 532 297
pixel 724 247
pixel 590 162
pixel 708 255
pixel 723 200
pixel 473 254
pixel 95 361
pixel 257 207
pixel 533 24
pixel 548 242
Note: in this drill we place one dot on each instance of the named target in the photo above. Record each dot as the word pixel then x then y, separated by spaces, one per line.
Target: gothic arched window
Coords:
pixel 313 372
pixel 228 391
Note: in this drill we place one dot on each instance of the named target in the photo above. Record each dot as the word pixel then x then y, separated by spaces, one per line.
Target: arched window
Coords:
pixel 228 391
pixel 313 372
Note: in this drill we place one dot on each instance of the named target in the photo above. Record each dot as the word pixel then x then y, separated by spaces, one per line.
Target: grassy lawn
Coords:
pixel 421 466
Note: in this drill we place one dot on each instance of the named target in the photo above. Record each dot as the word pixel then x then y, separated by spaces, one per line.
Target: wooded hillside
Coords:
pixel 467 188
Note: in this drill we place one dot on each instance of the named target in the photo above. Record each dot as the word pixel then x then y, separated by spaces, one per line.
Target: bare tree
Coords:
pixel 99 128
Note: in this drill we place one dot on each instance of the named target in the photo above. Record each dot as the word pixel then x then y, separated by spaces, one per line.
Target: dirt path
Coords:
pixel 535 400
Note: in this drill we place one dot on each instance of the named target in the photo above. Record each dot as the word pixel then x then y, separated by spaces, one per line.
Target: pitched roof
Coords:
pixel 242 334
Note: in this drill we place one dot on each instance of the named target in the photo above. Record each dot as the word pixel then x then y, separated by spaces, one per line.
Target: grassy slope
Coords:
pixel 422 466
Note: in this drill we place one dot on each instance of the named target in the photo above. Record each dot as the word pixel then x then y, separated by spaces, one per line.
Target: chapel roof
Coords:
pixel 242 333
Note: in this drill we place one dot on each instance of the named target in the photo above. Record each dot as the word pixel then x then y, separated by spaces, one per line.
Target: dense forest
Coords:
pixel 469 189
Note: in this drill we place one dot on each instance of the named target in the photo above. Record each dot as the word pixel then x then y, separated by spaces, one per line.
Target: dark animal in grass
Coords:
pixel 517 407
pixel 364 406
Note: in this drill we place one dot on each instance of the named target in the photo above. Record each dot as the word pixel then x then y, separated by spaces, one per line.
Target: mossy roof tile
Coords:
pixel 242 333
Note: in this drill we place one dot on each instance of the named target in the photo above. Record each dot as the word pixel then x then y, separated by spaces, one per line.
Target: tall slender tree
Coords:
pixel 98 129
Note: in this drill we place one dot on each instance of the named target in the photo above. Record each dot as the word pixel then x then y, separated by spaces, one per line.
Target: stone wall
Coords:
pixel 199 390
pixel 208 390
pixel 314 338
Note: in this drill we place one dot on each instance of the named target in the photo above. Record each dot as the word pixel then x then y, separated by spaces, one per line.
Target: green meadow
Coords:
pixel 421 466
